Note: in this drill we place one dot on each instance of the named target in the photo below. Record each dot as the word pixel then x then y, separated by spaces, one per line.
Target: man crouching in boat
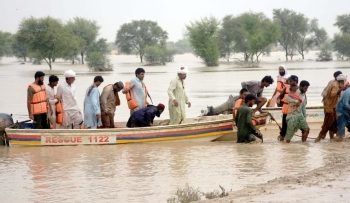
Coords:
pixel 246 130
pixel 144 117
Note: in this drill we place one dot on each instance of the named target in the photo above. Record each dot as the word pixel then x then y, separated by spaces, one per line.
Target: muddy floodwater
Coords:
pixel 152 172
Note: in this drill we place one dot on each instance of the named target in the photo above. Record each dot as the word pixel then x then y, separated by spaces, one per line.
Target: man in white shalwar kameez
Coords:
pixel 92 108
pixel 72 117
pixel 51 96
pixel 178 98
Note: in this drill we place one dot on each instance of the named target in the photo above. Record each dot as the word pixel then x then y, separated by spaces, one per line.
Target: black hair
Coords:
pixel 39 74
pixel 139 70
pixel 249 97
pixel 304 83
pixel 53 78
pixel 98 78
pixel 294 78
pixel 243 90
pixel 336 73
pixel 267 79
pixel 119 84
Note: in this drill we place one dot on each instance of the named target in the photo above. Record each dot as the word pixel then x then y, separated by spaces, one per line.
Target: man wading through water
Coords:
pixel 246 130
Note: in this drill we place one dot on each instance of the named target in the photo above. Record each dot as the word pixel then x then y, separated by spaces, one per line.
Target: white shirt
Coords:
pixel 67 94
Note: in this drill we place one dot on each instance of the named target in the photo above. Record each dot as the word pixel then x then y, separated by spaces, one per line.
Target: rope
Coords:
pixel 273 119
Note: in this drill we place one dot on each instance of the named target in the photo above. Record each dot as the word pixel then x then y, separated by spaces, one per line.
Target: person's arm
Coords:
pixel 30 93
pixel 104 95
pixel 249 120
pixel 95 101
pixel 171 89
pixel 128 86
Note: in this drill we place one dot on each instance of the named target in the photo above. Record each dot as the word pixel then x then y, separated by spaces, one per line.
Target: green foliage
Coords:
pixel 5 44
pixel 343 22
pixel 134 37
pixel 155 55
pixel 249 33
pixel 96 56
pixel 183 46
pixel 325 53
pixel 20 47
pixel 47 39
pixel 203 37
pixel 342 40
pixel 342 45
pixel 292 27
pixel 86 32
pixel 186 195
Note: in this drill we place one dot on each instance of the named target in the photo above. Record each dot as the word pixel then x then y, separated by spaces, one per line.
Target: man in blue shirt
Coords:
pixel 343 114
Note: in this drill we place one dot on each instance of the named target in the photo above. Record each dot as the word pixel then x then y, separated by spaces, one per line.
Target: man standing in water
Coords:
pixel 246 130
pixel 178 98
pixel 137 90
pixel 330 99
pixel 92 107
pixel 292 81
pixel 37 102
pixel 256 88
pixel 66 92
pixel 296 117
pixel 343 115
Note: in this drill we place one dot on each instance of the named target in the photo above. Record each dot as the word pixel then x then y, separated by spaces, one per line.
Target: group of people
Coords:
pixel 51 107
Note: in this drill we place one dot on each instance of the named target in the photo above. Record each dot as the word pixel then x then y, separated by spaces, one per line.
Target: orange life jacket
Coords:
pixel 59 112
pixel 38 105
pixel 285 102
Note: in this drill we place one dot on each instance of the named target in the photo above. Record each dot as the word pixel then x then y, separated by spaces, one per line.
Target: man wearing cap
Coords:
pixel 178 98
pixel 109 100
pixel 330 100
pixel 66 92
pixel 92 107
pixel 144 117
pixel 37 102
pixel 281 81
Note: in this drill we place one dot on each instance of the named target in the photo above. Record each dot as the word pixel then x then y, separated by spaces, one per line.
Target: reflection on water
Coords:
pixel 147 172
pixel 152 172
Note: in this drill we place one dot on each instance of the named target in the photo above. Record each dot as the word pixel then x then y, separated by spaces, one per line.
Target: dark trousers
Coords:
pixel 41 121
pixel 329 124
pixel 284 126
pixel 107 120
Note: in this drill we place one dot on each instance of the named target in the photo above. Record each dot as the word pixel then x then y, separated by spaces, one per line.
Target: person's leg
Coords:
pixel 105 120
pixel 77 119
pixel 44 121
pixel 261 102
pixel 284 127
pixel 37 122
pixel 111 120
pixel 291 129
pixel 326 126
pixel 341 122
pixel 250 138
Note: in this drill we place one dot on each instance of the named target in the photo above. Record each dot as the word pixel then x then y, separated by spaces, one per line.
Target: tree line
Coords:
pixel 251 34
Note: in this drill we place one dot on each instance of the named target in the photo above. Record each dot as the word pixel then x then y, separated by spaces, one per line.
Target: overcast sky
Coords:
pixel 171 15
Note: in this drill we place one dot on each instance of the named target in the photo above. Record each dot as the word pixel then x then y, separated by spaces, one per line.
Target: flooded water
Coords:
pixel 152 172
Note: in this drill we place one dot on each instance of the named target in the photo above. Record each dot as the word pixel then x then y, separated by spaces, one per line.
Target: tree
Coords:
pixel 320 35
pixel 227 37
pixel 47 38
pixel 203 37
pixel 290 28
pixel 134 37
pixel 343 22
pixel 250 33
pixel 183 46
pixel 19 46
pixel 86 31
pixel 5 43
pixel 96 56
pixel 342 40
pixel 158 55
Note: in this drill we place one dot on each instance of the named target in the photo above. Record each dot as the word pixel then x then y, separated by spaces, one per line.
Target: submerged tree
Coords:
pixel 96 56
pixel 47 39
pixel 5 43
pixel 203 37
pixel 86 31
pixel 342 40
pixel 20 46
pixel 134 37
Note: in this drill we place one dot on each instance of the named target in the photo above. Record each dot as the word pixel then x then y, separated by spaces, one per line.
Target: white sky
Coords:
pixel 172 16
